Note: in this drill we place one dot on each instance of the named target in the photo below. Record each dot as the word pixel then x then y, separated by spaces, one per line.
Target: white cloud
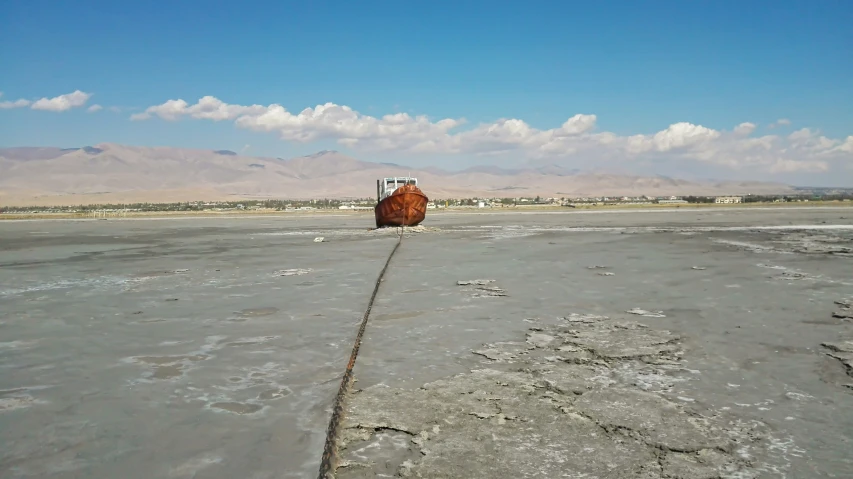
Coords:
pixel 94 108
pixel 846 146
pixel 207 108
pixel 745 128
pixel 21 103
pixel 62 102
pixel 7 105
pixel 803 150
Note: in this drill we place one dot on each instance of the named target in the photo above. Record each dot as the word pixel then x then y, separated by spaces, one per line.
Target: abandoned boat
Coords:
pixel 400 202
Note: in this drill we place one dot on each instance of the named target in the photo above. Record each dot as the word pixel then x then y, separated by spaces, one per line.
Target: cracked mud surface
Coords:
pixel 560 404
pixel 842 351
pixel 212 348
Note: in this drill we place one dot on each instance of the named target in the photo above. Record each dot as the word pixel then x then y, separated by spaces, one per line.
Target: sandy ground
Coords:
pixel 696 344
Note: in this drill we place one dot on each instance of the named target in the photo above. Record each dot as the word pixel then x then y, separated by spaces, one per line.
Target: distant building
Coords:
pixel 728 199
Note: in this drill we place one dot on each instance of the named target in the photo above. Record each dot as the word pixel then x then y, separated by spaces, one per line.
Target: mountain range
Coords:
pixel 113 173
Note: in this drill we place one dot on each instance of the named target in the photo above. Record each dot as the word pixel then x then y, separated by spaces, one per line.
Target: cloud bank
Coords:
pixel 64 102
pixel 8 104
pixel 804 150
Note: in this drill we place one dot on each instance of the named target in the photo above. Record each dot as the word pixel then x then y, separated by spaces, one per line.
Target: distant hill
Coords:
pixel 119 173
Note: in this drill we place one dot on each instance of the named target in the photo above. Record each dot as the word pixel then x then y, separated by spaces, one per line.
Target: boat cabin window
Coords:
pixel 389 185
pixel 397 182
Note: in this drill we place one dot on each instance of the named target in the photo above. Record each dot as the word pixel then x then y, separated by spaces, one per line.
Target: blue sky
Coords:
pixel 639 67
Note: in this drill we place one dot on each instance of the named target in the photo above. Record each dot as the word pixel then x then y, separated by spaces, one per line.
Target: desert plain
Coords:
pixel 700 343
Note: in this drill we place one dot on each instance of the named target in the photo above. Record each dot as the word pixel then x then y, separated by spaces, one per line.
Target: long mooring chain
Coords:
pixel 329 461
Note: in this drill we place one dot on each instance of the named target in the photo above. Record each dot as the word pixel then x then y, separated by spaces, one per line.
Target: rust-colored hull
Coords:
pixel 406 206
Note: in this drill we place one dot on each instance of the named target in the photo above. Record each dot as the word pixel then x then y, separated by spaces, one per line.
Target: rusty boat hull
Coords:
pixel 406 206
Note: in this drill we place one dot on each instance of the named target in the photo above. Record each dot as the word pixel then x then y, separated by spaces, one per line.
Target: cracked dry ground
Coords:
pixel 584 398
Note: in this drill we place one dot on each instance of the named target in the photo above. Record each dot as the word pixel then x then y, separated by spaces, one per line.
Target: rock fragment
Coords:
pixel 292 272
pixel 504 351
pixel 486 292
pixel 648 314
pixel 622 343
pixel 846 311
pixel 792 275
pixel 584 318
pixel 540 340
pixel 481 290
